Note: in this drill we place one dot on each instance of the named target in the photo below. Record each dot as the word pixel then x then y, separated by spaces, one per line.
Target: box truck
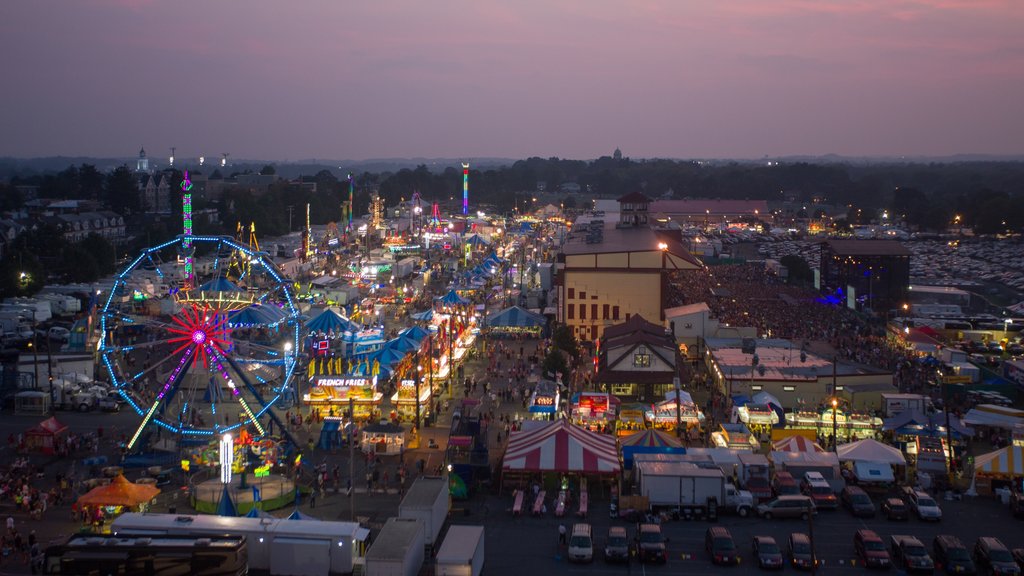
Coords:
pixel 397 550
pixel 690 490
pixel 427 500
pixel 462 552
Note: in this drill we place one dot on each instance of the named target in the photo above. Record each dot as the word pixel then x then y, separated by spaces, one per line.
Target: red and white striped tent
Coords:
pixel 796 444
pixel 561 447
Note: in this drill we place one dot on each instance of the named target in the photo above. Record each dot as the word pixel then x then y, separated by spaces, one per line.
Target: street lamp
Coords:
pixel 835 439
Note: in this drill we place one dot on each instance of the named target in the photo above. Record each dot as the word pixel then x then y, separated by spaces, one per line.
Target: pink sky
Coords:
pixel 352 80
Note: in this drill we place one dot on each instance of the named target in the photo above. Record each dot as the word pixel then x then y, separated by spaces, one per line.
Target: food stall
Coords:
pixel 759 418
pixel 336 391
pixel 544 401
pixel 404 399
pixel 383 439
pixel 630 419
pixel 664 415
pixel 735 436
pixel 593 410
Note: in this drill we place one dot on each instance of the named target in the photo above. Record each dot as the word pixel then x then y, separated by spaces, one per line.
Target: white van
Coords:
pixel 581 544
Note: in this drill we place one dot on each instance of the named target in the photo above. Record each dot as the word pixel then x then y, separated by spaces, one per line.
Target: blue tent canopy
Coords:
pixel 300 516
pixel 328 321
pixel 256 315
pixel 476 241
pixel 452 298
pixel 414 333
pixel 402 344
pixel 226 507
pixel 425 316
pixel 516 317
pixel 219 285
pixel 255 512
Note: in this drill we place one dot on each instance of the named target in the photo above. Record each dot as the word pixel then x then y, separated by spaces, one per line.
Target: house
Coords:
pixel 637 360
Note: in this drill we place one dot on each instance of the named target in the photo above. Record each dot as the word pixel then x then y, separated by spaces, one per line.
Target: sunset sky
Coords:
pixel 339 79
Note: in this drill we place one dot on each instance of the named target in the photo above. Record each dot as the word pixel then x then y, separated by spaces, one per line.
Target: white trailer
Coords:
pixel 462 552
pixel 277 546
pixel 893 404
pixel 397 550
pixel 403 268
pixel 689 489
pixel 428 501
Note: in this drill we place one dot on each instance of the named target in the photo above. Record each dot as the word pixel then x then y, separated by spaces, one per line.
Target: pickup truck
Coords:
pixel 910 554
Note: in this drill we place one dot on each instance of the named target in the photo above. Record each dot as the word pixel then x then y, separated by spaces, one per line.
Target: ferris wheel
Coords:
pixel 199 346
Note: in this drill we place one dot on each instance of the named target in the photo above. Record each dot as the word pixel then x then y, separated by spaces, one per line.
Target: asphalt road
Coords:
pixel 525 544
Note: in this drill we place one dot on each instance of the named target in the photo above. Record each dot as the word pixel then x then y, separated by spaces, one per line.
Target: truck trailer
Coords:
pixel 690 490
pixel 428 501
pixel 397 550
pixel 462 552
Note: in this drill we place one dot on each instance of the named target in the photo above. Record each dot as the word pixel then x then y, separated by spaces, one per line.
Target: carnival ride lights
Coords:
pixel 196 330
pixel 465 187
pixel 186 221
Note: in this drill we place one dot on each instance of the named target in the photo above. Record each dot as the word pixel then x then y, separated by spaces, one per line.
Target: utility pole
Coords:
pixel 352 458
pixel 291 209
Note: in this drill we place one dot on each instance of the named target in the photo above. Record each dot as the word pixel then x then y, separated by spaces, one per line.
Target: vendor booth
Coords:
pixel 327 391
pixel 648 442
pixel 666 414
pixel 631 419
pixel 797 443
pixel 544 401
pixel 31 402
pixel 735 436
pixel 870 462
pixel 594 410
pixel 106 502
pixel 404 399
pixel 383 439
pixel 1000 469
pixel 45 436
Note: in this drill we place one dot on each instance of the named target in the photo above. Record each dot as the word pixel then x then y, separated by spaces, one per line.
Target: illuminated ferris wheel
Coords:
pixel 194 345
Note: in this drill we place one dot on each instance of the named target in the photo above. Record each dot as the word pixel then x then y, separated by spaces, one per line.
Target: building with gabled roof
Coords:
pixel 637 360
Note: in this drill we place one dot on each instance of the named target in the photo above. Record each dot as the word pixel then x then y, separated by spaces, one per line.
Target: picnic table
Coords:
pixel 538 504
pixel 560 506
pixel 583 505
pixel 517 505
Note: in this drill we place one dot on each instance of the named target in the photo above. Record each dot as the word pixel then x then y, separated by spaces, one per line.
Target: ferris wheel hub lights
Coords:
pixel 199 337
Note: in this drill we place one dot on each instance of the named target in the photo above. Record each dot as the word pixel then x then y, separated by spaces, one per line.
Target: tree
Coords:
pixel 101 251
pixel 563 339
pixel 799 271
pixel 268 170
pixel 121 192
pixel 554 363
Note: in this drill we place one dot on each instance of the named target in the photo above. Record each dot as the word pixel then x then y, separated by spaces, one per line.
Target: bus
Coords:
pixel 163 555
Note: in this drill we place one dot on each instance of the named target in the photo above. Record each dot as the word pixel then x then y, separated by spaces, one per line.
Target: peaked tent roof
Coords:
pixel 516 316
pixel 452 298
pixel 654 438
pixel 904 418
pixel 328 321
pixel 255 314
pixel 870 450
pixel 120 492
pixel 50 427
pixel 219 285
pixel 561 447
pixel 796 444
pixel 477 240
pixel 1008 460
pixel 415 332
pixel 226 507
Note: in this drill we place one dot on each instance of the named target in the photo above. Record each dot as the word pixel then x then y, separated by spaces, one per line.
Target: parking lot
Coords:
pixel 529 545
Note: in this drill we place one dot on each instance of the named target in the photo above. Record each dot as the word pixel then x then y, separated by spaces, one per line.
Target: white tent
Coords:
pixel 683 394
pixel 869 450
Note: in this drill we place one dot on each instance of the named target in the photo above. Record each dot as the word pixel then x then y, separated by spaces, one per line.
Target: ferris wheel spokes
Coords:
pixel 167 392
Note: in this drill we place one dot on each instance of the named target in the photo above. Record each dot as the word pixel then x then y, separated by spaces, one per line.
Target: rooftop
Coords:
pixel 718 207
pixel 781 361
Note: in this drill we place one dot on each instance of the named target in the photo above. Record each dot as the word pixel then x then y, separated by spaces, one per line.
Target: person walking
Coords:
pixel 561 534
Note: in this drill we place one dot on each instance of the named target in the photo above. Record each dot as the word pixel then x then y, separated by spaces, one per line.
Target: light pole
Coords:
pixel 419 376
pixel 835 439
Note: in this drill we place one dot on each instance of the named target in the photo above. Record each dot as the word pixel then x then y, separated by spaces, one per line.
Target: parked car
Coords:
pixel 909 554
pixel 616 545
pixel 1018 557
pixel 922 504
pixel 815 486
pixel 801 554
pixel 651 544
pixel 58 333
pixel 581 543
pixel 895 509
pixel 787 507
pixel 993 557
pixel 952 555
pixel 720 546
pixel 857 501
pixel 870 549
pixel 767 553
pixel 784 484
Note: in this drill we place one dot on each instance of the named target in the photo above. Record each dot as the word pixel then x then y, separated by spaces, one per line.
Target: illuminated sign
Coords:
pixel 544 401
pixel 262 471
pixel 408 383
pixel 342 382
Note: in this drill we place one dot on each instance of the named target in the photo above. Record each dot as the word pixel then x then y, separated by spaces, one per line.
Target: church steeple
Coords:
pixel 142 164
